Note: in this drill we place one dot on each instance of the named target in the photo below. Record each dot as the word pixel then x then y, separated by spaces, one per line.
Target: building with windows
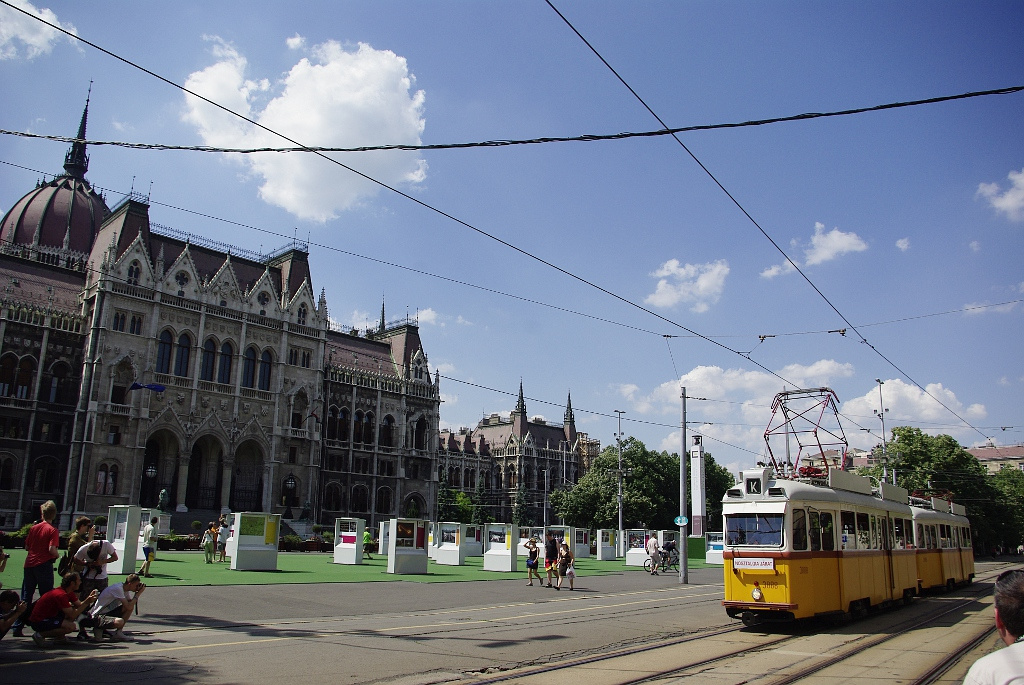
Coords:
pixel 995 458
pixel 504 455
pixel 136 359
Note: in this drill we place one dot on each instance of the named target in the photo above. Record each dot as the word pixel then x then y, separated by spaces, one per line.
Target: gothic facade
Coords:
pixel 137 360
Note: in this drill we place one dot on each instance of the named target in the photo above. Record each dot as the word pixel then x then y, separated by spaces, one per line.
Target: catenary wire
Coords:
pixel 756 224
pixel 585 138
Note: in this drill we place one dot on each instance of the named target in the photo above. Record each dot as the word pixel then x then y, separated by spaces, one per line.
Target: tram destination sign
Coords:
pixel 754 564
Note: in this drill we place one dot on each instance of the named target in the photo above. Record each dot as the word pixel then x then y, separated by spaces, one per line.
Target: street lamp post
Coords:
pixel 618 439
pixel 880 413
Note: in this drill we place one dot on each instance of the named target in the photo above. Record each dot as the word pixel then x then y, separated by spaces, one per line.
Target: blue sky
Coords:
pixel 909 221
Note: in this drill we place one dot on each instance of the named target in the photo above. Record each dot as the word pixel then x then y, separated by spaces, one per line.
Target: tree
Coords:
pixel 463 508
pixel 937 466
pixel 480 513
pixel 520 516
pixel 445 500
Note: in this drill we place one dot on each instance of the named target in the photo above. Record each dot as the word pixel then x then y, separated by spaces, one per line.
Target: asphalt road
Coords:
pixel 399 632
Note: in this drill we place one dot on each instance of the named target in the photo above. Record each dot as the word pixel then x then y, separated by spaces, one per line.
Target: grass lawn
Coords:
pixel 190 568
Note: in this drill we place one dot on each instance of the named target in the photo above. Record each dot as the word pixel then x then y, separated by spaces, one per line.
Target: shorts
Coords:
pixel 104 620
pixel 47 624
pixel 148 551
pixel 222 546
pixel 551 565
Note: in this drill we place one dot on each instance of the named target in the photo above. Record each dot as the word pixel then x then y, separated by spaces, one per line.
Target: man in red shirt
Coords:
pixel 55 613
pixel 42 545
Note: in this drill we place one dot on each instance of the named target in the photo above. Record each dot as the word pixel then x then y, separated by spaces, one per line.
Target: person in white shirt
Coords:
pixel 149 536
pixel 222 539
pixel 1006 666
pixel 91 560
pixel 652 549
pixel 114 607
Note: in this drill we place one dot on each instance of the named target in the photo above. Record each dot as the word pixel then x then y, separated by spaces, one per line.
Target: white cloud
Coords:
pixel 975 246
pixel 335 98
pixel 1004 381
pixel 1009 202
pixel 463 321
pixel 903 244
pixel 824 247
pixel 296 42
pixel 698 284
pixel 23 36
pixel 828 246
pixel 429 317
pixel 907 405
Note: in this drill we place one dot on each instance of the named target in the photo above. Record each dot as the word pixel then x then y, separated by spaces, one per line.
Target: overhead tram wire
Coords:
pixel 405 195
pixel 755 223
pixel 585 138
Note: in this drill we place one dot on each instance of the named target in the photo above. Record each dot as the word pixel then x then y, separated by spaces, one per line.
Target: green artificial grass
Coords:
pixel 190 568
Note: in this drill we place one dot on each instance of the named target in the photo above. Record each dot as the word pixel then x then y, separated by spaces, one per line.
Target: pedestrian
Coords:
pixel 55 613
pixel 550 557
pixel 367 543
pixel 11 607
pixel 222 539
pixel 565 566
pixel 113 608
pixel 83 534
pixel 93 559
pixel 652 549
pixel 1005 666
pixel 149 537
pixel 533 562
pixel 209 541
pixel 42 544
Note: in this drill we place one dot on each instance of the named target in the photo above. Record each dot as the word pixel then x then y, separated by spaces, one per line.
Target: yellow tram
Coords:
pixel 796 548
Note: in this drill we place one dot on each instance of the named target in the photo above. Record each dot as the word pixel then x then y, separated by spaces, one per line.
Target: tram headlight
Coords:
pixel 756 593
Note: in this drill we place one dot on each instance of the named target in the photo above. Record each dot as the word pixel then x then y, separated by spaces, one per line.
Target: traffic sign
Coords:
pixel 681 520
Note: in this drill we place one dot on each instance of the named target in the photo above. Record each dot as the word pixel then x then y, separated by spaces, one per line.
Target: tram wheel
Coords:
pixel 750 619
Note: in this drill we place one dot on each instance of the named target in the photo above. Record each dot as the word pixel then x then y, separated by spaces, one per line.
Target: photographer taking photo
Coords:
pixel 113 608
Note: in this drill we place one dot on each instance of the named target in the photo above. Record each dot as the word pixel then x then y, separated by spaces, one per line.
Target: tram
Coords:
pixel 834 545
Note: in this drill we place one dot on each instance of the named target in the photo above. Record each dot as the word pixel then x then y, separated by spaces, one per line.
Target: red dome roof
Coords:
pixel 65 213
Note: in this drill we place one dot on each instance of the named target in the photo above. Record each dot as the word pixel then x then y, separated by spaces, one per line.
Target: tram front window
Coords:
pixel 763 530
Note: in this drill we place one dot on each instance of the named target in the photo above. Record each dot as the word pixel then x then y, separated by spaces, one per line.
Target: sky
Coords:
pixel 616 270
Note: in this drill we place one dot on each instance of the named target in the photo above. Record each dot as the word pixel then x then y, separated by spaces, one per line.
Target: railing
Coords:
pixel 253 394
pixel 176 381
pixel 210 386
pixel 300 433
pixel 118 409
pixel 176 301
pixel 217 310
pixel 132 290
pixel 263 321
pixel 15 402
pixel 308 331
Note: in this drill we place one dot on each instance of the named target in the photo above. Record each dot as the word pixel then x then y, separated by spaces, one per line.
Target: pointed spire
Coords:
pixel 381 314
pixel 521 404
pixel 569 418
pixel 76 162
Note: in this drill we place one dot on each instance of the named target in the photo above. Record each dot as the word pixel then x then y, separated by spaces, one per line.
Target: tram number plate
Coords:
pixel 753 564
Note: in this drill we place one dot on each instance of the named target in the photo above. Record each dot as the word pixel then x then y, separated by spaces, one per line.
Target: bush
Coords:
pixel 197 525
pixel 100 520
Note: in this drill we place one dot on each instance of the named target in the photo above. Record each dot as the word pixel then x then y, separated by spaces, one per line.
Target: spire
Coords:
pixel 76 162
pixel 569 418
pixel 381 330
pixel 521 404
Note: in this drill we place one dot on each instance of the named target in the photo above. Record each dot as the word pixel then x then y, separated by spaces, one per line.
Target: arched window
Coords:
pixel 384 500
pixel 387 432
pixel 332 497
pixel 7 473
pixel 360 499
pixel 47 475
pixel 332 424
pixel 358 428
pixel 134 272
pixel 182 355
pixel 227 351
pixel 163 353
pixel 343 425
pixel 301 317
pixel 7 373
pixel 135 327
pixel 249 368
pixel 26 369
pixel 369 428
pixel 265 361
pixel 209 358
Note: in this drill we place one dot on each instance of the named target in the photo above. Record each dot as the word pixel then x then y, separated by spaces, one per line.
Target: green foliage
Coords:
pixel 650 490
pixel 480 513
pixel 445 509
pixel 197 525
pixel 937 466
pixel 520 515
pixel 463 508
pixel 100 520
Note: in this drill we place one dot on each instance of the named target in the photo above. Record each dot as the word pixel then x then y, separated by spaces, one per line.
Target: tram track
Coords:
pixel 699 668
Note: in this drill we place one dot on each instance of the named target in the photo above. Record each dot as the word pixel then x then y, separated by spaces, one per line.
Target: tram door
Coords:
pixel 825 561
pixel 887 543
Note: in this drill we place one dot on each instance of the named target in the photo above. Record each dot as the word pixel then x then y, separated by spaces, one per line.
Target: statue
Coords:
pixel 165 500
pixel 307 510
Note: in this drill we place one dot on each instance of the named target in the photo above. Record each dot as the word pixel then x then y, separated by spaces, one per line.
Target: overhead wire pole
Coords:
pixel 618 439
pixel 684 542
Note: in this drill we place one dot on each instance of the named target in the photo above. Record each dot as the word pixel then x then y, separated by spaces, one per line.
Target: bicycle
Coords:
pixel 669 562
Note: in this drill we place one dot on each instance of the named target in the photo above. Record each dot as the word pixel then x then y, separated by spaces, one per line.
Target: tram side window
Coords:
pixel 874 532
pixel 920 537
pixel 967 538
pixel 828 532
pixel 815 533
pixel 901 535
pixel 799 529
pixel 863 531
pixel 848 521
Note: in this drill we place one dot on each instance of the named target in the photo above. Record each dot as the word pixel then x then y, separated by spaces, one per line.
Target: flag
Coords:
pixel 155 387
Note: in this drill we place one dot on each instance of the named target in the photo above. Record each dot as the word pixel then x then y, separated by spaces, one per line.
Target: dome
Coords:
pixel 62 215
